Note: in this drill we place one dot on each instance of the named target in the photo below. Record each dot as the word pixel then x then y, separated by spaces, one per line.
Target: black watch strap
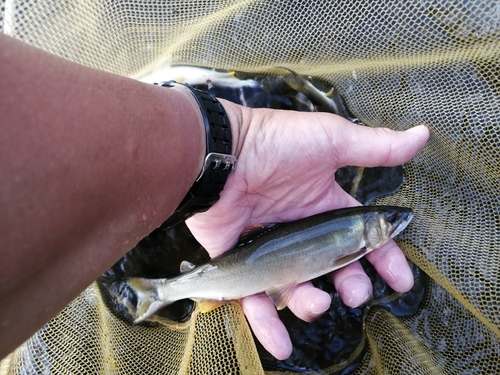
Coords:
pixel 218 164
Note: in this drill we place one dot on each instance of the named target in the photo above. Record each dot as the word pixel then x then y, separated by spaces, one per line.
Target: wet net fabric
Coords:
pixel 397 64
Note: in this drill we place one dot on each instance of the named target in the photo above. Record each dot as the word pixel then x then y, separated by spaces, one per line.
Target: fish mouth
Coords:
pixel 405 217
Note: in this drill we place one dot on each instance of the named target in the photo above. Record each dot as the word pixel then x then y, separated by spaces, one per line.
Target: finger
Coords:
pixel 391 264
pixel 219 228
pixel 215 238
pixel 267 327
pixel 373 147
pixel 352 284
pixel 309 303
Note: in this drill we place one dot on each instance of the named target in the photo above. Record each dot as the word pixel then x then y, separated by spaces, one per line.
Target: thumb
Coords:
pixel 376 147
pixel 216 230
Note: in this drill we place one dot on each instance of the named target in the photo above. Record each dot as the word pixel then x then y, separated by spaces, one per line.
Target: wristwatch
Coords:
pixel 219 161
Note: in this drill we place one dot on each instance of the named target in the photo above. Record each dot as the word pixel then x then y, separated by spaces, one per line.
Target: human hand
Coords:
pixel 285 171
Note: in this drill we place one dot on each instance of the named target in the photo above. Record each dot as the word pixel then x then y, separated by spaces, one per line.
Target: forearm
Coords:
pixel 90 163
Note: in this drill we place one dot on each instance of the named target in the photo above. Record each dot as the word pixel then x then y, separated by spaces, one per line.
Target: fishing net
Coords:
pixel 396 64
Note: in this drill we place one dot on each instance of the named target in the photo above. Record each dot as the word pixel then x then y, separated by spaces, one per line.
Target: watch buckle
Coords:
pixel 221 160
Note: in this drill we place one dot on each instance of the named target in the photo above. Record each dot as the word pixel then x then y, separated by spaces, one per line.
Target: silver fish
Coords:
pixel 277 260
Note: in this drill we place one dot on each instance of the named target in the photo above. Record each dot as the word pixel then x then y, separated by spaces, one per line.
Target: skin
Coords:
pixel 91 162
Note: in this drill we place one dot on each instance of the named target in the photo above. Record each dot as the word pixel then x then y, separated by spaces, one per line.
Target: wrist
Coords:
pixel 219 160
pixel 239 119
pixel 196 131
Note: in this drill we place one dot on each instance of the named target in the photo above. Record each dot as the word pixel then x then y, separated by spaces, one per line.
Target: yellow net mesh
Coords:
pixel 396 64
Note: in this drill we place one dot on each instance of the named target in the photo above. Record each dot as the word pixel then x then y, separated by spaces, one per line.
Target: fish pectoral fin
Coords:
pixel 281 295
pixel 209 305
pixel 251 232
pixel 186 266
pixel 348 259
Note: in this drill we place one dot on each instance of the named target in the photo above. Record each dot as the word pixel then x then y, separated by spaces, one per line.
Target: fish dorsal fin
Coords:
pixel 186 266
pixel 253 231
pixel 348 259
pixel 281 295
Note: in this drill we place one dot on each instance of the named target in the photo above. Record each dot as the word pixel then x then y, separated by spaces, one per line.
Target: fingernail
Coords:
pixel 403 283
pixel 357 297
pixel 416 129
pixel 400 277
pixel 367 297
pixel 319 306
pixel 281 349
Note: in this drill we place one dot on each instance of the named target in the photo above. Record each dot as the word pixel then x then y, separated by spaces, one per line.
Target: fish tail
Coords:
pixel 148 300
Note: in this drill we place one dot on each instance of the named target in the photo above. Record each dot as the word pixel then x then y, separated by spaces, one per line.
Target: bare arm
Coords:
pixel 90 162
